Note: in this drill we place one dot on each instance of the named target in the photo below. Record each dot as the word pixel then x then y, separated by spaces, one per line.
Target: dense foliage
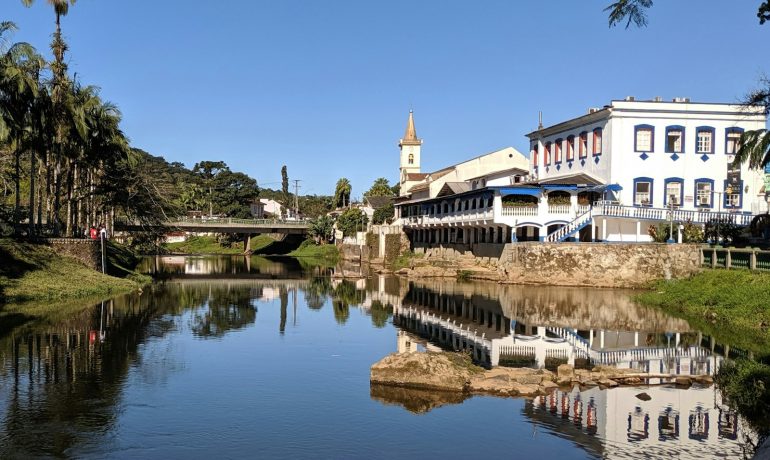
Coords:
pixel 352 220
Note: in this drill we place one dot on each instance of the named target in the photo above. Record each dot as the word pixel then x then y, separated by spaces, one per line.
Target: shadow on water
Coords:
pixel 413 400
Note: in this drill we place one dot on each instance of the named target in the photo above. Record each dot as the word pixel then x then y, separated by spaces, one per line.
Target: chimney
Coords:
pixel 630 99
pixel 540 120
pixel 658 99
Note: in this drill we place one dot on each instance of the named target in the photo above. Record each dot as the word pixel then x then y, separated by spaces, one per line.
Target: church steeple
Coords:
pixel 410 135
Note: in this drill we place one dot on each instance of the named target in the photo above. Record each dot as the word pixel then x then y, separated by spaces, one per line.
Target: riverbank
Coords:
pixel 308 249
pixel 731 305
pixel 35 272
pixel 209 245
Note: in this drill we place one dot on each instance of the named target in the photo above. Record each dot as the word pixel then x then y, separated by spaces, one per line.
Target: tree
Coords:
pixel 208 170
pixel 286 198
pixel 321 229
pixel 352 221
pixel 754 145
pixel 380 187
pixel 384 214
pixel 342 193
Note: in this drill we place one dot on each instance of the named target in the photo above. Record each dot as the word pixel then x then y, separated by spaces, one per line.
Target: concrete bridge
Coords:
pixel 224 225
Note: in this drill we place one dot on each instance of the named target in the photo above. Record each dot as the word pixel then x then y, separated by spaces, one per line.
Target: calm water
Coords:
pixel 232 357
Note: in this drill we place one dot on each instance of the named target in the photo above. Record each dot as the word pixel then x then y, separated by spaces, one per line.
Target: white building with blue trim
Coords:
pixel 605 176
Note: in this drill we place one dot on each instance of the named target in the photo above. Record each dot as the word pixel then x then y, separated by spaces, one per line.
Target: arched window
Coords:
pixel 411 158
pixel 557 151
pixel 570 148
pixel 597 144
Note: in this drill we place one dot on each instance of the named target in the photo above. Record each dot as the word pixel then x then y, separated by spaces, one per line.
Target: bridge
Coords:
pixel 223 225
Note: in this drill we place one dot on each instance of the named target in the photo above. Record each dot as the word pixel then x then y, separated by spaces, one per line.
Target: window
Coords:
pixel 674 139
pixel 643 138
pixel 547 157
pixel 704 140
pixel 570 148
pixel 733 194
pixel 411 158
pixel 732 140
pixel 674 191
pixel 597 146
pixel 557 151
pixel 583 147
pixel 643 191
pixel 704 193
pixel 535 149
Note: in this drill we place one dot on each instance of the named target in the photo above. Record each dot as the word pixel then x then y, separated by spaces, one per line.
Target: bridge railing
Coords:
pixel 222 221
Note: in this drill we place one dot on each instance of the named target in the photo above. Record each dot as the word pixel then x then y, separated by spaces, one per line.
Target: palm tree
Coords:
pixel 59 93
pixel 19 71
pixel 342 193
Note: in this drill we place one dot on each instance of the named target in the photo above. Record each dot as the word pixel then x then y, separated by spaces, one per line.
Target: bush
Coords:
pixel 724 229
pixel 351 221
pixel 691 233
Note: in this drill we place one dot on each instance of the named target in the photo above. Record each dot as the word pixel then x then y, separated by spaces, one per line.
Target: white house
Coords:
pixel 605 176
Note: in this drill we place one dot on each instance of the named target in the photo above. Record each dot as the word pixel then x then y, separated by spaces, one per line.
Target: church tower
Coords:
pixel 410 152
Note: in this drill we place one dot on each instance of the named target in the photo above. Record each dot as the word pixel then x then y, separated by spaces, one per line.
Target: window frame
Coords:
pixel 570 147
pixel 732 130
pixel 557 158
pixel 535 155
pixel 639 180
pixel 547 154
pixel 638 128
pixel 725 196
pixel 673 180
pixel 583 149
pixel 681 142
pixel 596 152
pixel 704 180
pixel 705 129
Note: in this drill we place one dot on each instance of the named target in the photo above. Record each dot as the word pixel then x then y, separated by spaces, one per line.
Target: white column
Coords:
pixel 638 230
pixel 601 339
pixel 604 229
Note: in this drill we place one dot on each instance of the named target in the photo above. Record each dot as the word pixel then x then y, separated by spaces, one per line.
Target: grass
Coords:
pixel 32 272
pixel 731 305
pixel 308 249
pixel 210 245
pixel 202 245
pixel 405 260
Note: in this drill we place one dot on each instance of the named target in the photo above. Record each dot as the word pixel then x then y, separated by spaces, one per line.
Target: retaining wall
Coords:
pixel 85 251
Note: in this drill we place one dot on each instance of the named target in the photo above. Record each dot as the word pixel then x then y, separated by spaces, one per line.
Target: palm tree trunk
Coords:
pixel 31 214
pixel 17 180
pixel 70 178
pixel 40 193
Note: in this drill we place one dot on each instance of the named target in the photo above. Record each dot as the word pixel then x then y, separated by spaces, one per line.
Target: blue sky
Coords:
pixel 325 87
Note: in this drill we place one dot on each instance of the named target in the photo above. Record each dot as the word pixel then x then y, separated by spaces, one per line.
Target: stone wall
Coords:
pixel 599 264
pixel 351 251
pixel 85 251
pixel 564 264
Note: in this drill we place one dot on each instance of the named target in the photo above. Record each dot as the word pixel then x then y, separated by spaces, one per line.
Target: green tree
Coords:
pixel 351 221
pixel 208 171
pixel 380 187
pixel 342 193
pixel 754 145
pixel 286 197
pixel 321 229
pixel 383 215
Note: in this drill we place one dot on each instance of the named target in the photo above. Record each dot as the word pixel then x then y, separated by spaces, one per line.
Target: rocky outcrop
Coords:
pixel 454 372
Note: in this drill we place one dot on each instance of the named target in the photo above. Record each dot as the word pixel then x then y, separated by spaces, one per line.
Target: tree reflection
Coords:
pixel 227 310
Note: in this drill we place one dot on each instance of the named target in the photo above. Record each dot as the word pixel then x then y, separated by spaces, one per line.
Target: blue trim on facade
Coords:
pixel 739 187
pixel 733 129
pixel 652 137
pixel 695 195
pixel 528 224
pixel 531 191
pixel 683 141
pixel 701 129
pixel 652 184
pixel 665 189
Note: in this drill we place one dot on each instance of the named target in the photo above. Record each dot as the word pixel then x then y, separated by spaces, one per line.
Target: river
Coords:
pixel 233 357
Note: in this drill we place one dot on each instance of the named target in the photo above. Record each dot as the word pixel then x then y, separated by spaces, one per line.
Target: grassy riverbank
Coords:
pixel 210 245
pixel 32 272
pixel 309 249
pixel 731 305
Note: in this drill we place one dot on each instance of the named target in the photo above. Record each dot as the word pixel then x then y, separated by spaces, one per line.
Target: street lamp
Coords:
pixel 671 199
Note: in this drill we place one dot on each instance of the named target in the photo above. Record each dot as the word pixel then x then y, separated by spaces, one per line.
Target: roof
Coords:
pixel 577 178
pixel 378 202
pixel 420 186
pixel 410 135
pixel 416 176
pixel 453 188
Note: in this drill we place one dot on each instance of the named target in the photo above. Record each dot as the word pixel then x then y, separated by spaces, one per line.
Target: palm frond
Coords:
pixel 629 10
pixel 754 149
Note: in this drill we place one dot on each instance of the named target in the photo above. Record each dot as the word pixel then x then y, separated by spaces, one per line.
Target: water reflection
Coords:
pixel 267 347
pixel 524 326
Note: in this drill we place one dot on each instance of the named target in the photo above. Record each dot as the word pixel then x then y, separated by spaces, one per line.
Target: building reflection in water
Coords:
pixel 523 326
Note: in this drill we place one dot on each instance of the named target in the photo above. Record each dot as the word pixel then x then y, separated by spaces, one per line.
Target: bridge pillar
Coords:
pixel 247 243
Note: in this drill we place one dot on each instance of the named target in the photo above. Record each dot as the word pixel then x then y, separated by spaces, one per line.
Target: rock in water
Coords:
pixel 435 371
pixel 644 396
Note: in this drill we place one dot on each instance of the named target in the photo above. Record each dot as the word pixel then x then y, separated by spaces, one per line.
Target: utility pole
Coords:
pixel 296 198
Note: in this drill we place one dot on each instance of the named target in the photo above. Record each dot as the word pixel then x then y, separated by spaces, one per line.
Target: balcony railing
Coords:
pixel 519 211
pixel 700 216
pixel 560 209
pixel 459 217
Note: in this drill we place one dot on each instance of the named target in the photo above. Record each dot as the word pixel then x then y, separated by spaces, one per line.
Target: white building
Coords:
pixel 605 176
